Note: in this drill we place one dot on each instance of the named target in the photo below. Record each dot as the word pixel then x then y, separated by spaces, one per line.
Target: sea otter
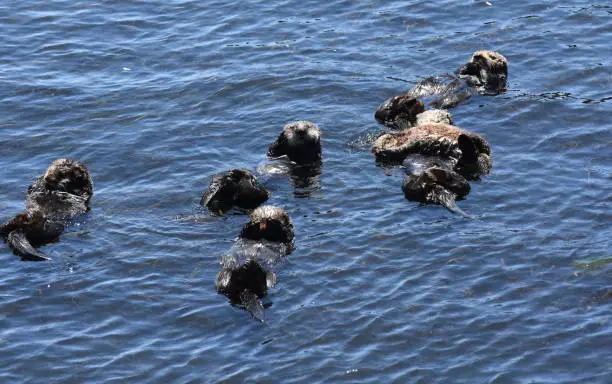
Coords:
pixel 485 73
pixel 236 187
pixel 249 270
pixel 52 200
pixel 430 180
pixel 399 111
pixel 469 152
pixel 300 141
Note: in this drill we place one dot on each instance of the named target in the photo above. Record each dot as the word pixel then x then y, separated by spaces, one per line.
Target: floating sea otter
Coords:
pixel 430 180
pixel 298 150
pixel 300 141
pixel 236 187
pixel 52 201
pixel 485 73
pixel 249 270
pixel 469 152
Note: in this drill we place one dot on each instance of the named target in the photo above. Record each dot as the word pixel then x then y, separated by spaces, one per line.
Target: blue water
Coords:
pixel 157 97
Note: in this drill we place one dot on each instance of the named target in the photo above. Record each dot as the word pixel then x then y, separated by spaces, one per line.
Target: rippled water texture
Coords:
pixel 156 97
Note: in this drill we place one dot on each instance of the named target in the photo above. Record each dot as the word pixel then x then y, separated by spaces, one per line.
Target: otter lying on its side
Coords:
pixel 470 152
pixel 485 73
pixel 236 187
pixel 52 200
pixel 300 141
pixel 249 270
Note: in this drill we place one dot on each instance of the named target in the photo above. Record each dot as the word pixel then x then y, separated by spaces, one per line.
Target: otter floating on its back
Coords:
pixel 249 270
pixel 485 73
pixel 61 194
pixel 236 187
pixel 431 180
pixel 470 152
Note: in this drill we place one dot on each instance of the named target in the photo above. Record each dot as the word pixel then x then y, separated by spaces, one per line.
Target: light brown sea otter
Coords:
pixel 469 152
pixel 52 200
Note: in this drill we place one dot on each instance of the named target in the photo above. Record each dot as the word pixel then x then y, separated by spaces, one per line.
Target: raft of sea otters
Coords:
pixel 439 159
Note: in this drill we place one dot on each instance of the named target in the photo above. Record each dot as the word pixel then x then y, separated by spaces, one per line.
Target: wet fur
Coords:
pixel 53 199
pixel 434 185
pixel 471 152
pixel 247 280
pixel 236 187
pixel 399 111
pixel 485 73
pixel 300 141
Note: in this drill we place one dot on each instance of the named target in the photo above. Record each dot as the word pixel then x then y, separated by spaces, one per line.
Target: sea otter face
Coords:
pixel 236 187
pixel 69 176
pixel 269 223
pixel 399 111
pixel 300 141
pixel 486 69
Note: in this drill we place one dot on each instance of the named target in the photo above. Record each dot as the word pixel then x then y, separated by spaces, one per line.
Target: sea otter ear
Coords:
pixel 279 147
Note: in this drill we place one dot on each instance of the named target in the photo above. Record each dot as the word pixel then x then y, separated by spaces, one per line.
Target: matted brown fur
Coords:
pixel 431 139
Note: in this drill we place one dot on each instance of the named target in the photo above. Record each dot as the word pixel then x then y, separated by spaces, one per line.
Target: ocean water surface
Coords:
pixel 157 97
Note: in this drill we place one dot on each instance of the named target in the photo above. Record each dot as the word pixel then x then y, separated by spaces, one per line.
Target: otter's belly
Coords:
pixel 56 205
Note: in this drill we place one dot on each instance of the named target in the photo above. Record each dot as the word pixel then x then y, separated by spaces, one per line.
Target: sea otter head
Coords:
pixel 237 187
pixel 300 141
pixel 69 176
pixel 486 69
pixel 269 223
pixel 399 111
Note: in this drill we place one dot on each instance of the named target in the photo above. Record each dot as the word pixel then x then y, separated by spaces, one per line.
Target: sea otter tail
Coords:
pixel 253 304
pixel 21 246
pixel 447 199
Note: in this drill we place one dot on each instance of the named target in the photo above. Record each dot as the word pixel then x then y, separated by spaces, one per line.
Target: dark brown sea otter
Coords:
pixel 234 188
pixel 52 200
pixel 300 141
pixel 249 270
pixel 429 180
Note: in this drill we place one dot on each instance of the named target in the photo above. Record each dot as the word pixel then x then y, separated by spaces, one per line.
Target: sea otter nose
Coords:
pixel 263 224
